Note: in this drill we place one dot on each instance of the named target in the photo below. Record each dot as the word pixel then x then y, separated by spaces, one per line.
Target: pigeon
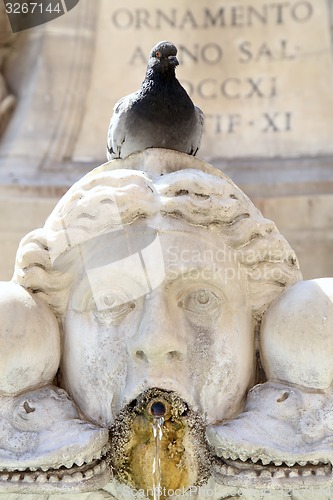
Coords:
pixel 159 115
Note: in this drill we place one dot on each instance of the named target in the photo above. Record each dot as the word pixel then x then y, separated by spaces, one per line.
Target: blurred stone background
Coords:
pixel 261 70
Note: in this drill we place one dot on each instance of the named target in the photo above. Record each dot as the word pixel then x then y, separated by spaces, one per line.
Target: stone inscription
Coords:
pixel 260 70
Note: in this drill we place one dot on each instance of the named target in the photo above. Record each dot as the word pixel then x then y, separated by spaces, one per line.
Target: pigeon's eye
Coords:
pixel 158 54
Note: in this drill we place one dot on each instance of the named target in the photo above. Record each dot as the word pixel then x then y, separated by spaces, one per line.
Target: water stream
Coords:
pixel 158 434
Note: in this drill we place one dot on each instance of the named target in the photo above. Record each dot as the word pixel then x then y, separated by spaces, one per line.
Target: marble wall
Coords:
pixel 261 71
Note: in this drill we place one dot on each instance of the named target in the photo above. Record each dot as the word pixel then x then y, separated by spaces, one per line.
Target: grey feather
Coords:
pixel 159 115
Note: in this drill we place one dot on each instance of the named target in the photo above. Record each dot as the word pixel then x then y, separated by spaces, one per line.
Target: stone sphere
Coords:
pixel 29 341
pixel 297 335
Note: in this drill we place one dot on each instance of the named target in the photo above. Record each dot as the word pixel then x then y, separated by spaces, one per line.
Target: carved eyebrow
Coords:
pixel 186 276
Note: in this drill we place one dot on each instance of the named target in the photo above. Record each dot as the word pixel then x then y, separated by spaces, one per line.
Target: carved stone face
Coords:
pixel 171 313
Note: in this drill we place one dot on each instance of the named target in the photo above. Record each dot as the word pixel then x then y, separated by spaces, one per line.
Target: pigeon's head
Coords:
pixel 163 57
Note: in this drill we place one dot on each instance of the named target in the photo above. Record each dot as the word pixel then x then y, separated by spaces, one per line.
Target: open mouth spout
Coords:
pixel 157 441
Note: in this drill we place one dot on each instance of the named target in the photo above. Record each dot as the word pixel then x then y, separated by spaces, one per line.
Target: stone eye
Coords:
pixel 203 297
pixel 109 301
pixel 111 306
pixel 203 302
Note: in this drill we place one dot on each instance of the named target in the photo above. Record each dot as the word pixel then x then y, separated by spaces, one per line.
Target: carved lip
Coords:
pixel 248 473
pixel 148 400
pixel 80 476
pixel 236 466
pixel 167 385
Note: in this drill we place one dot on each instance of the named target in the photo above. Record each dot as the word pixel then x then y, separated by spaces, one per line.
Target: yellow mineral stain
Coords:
pixel 161 451
pixel 158 446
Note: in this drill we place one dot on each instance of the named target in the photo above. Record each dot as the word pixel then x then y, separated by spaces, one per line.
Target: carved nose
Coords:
pixel 154 345
pixel 157 339
pixel 157 355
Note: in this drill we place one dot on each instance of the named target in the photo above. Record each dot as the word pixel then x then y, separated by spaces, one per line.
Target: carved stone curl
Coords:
pixel 159 270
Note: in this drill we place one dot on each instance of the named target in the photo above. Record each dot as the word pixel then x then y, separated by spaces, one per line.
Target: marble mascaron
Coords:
pixel 155 279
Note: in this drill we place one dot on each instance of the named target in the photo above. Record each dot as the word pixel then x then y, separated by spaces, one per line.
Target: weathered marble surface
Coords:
pixel 155 273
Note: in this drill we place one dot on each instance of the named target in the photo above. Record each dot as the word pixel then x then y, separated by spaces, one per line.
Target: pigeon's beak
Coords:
pixel 173 61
